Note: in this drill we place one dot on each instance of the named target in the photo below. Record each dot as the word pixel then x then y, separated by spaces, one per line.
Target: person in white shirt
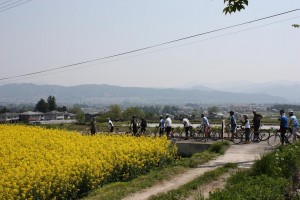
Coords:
pixel 246 123
pixel 293 124
pixel 187 126
pixel 110 125
pixel 205 124
pixel 168 125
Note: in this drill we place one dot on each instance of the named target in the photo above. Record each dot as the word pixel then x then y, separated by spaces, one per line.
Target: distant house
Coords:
pixel 9 117
pixel 30 116
pixel 88 116
pixel 54 115
pixel 69 115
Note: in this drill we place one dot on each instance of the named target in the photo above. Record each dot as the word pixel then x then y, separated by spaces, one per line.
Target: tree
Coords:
pixel 79 113
pixel 4 110
pixel 41 106
pixel 62 109
pixel 212 110
pixel 115 112
pixel 51 103
pixel 234 5
pixel 129 112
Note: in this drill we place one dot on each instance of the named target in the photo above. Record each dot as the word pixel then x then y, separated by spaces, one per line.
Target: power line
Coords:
pixel 160 50
pixel 148 47
pixel 4 8
pixel 6 2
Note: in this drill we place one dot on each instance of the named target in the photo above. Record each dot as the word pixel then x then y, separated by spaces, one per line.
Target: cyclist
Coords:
pixel 93 126
pixel 232 124
pixel 205 124
pixel 134 125
pixel 283 126
pixel 168 126
pixel 143 125
pixel 187 125
pixel 294 124
pixel 246 123
pixel 161 126
pixel 256 124
pixel 110 125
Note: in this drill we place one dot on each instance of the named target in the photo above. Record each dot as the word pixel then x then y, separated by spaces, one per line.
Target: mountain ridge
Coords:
pixel 110 94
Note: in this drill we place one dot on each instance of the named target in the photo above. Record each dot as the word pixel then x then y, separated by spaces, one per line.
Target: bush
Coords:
pixel 219 147
pixel 242 186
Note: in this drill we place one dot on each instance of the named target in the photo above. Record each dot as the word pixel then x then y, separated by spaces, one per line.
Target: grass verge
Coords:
pixel 119 190
pixel 185 190
pixel 274 176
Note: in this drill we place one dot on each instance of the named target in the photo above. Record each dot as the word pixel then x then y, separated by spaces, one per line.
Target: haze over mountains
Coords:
pixel 108 94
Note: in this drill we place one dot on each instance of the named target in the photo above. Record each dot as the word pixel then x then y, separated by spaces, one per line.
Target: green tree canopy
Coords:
pixel 129 112
pixel 51 103
pixel 79 113
pixel 234 5
pixel 115 112
pixel 41 106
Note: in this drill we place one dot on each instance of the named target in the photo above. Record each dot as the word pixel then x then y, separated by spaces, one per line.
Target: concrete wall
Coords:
pixel 186 149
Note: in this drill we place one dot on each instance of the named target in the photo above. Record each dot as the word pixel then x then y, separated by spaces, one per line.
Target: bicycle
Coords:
pixel 176 133
pixel 263 134
pixel 237 135
pixel 197 133
pixel 200 135
pixel 275 139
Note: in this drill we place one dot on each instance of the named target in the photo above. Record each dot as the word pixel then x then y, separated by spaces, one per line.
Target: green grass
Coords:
pixel 187 189
pixel 274 176
pixel 119 190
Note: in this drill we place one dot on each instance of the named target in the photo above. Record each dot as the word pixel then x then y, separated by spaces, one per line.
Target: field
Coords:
pixel 39 163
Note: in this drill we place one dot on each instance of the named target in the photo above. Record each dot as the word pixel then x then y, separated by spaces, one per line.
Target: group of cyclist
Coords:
pixel 165 125
pixel 286 123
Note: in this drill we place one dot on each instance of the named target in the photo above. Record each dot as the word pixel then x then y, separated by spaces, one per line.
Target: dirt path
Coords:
pixel 205 189
pixel 244 155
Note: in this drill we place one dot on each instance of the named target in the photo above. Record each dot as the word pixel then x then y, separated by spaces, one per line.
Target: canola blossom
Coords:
pixel 38 163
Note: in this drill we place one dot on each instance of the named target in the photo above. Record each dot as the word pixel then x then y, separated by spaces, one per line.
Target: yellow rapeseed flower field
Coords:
pixel 38 163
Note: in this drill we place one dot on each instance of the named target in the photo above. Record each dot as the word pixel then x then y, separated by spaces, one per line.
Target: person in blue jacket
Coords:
pixel 283 126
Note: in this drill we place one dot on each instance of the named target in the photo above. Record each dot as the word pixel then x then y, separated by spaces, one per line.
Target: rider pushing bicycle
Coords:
pixel 205 125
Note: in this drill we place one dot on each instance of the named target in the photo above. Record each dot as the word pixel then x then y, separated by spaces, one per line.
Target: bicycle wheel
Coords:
pixel 177 136
pixel 274 140
pixel 199 136
pixel 264 134
pixel 214 136
pixel 253 139
pixel 242 136
pixel 237 138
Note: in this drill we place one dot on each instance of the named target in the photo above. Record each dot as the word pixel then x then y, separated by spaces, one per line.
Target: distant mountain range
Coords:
pixel 108 94
pixel 284 89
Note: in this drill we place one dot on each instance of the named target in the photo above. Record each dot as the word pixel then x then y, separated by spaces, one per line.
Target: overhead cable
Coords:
pixel 148 47
pixel 13 5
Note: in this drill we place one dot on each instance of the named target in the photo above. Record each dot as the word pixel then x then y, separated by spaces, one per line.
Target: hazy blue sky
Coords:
pixel 41 35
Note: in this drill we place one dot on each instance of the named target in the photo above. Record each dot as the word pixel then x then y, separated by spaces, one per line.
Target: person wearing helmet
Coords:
pixel 283 126
pixel 168 125
pixel 256 124
pixel 232 124
pixel 110 125
pixel 187 126
pixel 161 126
pixel 205 124
pixel 293 124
